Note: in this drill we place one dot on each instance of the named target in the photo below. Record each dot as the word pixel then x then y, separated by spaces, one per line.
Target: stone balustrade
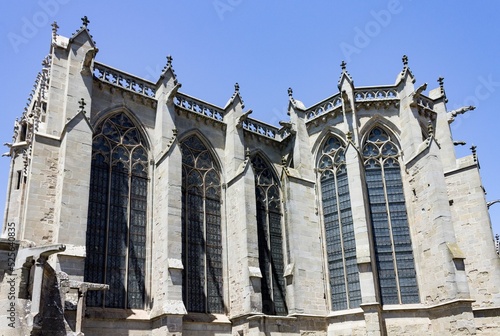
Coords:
pixel 123 80
pixel 199 107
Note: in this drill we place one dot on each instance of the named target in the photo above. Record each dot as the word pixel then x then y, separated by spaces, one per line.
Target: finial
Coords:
pixel 283 161
pixel 441 87
pixel 82 104
pixel 236 87
pixel 474 152
pixel 54 30
pixel 247 153
pixel 290 92
pixel 405 61
pixel 342 65
pixel 349 136
pixel 85 21
pixel 169 63
pixel 441 82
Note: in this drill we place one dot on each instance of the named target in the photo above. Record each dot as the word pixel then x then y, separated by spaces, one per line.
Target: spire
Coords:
pixel 169 66
pixel 406 71
pixel 344 75
pixel 83 29
pixel 237 93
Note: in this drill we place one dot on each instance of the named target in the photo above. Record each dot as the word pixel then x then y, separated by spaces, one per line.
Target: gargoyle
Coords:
pixel 243 117
pixel 452 114
pixel 419 90
pixel 87 60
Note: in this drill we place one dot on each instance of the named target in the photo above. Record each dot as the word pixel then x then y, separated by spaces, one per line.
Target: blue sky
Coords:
pixel 268 46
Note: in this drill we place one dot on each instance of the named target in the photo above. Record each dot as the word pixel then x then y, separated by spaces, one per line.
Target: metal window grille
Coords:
pixel 201 229
pixel 393 250
pixel 116 227
pixel 270 238
pixel 345 292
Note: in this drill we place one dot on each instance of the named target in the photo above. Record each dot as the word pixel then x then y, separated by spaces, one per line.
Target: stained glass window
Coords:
pixel 201 229
pixel 270 238
pixel 339 231
pixel 116 225
pixel 393 251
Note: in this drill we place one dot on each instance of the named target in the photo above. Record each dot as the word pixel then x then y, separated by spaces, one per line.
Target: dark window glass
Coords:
pixel 339 231
pixel 201 229
pixel 393 250
pixel 116 226
pixel 270 238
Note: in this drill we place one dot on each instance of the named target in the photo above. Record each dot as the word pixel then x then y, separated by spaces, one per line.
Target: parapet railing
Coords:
pixel 374 94
pixel 263 129
pixel 324 106
pixel 425 102
pixel 199 107
pixel 123 80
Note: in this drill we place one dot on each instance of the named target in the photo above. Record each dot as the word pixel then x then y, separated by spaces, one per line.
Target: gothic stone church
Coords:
pixel 136 209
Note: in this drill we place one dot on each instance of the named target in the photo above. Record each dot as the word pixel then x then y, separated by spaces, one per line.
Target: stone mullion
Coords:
pixel 365 252
pixel 127 247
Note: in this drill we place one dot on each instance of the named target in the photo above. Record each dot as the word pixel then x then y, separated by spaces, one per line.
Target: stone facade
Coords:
pixel 44 246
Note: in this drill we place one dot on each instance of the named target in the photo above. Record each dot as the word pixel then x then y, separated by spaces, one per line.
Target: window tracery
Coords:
pixel 270 238
pixel 392 242
pixel 345 292
pixel 201 229
pixel 116 227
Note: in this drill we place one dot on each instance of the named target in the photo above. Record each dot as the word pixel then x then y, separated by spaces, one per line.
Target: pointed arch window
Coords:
pixel 391 235
pixel 116 224
pixel 201 229
pixel 345 292
pixel 270 238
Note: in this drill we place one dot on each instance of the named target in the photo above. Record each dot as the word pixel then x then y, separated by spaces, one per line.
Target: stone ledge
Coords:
pixel 74 251
pixel 423 307
pixel 117 314
pixel 206 318
pixel 272 317
pixel 345 312
pixel 169 307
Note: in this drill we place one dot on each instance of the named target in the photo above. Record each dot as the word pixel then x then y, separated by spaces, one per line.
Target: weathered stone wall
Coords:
pixel 432 230
pixel 474 235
